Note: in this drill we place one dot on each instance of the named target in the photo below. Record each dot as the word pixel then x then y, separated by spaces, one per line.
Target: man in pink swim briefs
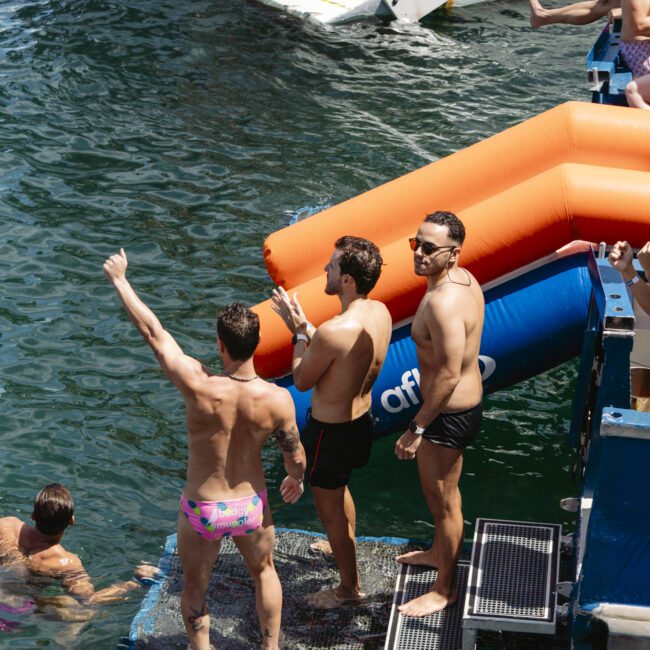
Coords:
pixel 229 417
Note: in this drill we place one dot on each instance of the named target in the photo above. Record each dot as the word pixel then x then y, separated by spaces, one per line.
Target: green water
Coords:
pixel 187 132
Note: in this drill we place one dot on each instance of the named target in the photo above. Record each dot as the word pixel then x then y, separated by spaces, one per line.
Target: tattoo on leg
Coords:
pixel 267 633
pixel 194 619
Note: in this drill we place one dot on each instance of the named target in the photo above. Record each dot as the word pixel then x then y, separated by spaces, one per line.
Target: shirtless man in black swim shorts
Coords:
pixel 447 333
pixel 340 361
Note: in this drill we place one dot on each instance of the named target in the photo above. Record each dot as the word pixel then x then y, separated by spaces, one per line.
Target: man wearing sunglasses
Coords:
pixel 447 333
pixel 340 361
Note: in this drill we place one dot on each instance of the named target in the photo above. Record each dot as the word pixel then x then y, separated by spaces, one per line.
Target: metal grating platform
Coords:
pixel 512 579
pixel 439 631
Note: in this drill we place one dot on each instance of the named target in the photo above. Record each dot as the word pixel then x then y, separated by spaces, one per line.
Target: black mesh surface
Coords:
pixel 231 600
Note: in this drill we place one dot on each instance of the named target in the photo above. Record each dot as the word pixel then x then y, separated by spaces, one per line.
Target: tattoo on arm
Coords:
pixel 288 440
pixel 194 619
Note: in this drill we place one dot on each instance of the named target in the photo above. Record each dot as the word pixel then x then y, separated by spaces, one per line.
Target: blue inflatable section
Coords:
pixel 533 322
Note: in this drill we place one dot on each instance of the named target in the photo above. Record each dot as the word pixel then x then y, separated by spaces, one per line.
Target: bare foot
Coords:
pixel 537 14
pixel 418 558
pixel 331 598
pixel 427 604
pixel 323 546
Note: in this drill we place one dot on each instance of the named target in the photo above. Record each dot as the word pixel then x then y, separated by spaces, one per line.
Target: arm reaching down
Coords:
pixel 288 439
pixel 446 328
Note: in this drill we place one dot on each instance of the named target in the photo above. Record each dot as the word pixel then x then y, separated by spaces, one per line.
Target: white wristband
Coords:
pixel 633 281
pixel 415 429
pixel 301 337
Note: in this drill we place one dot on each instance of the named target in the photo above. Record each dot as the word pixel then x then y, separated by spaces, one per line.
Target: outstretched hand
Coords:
pixel 289 310
pixel 291 489
pixel 407 446
pixel 115 266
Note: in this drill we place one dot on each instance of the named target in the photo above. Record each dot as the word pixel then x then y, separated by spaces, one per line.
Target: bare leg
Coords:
pixel 422 558
pixel 337 512
pixel 197 557
pixel 578 13
pixel 257 551
pixel 439 469
pixel 638 92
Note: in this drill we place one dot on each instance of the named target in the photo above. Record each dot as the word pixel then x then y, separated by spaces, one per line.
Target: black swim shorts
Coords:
pixel 334 449
pixel 455 429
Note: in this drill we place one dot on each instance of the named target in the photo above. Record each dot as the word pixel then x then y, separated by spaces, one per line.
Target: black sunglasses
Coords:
pixel 427 247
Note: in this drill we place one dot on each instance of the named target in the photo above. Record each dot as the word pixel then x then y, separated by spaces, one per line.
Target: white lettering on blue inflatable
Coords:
pixel 403 396
pixel 489 366
pixel 400 393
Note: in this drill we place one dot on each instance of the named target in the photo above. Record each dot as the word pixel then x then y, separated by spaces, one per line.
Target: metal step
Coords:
pixel 512 578
pixel 439 631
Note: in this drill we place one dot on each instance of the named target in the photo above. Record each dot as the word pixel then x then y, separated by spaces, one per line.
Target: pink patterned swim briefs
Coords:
pixel 216 519
pixel 636 55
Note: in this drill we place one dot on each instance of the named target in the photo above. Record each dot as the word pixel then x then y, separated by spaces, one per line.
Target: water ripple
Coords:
pixel 187 132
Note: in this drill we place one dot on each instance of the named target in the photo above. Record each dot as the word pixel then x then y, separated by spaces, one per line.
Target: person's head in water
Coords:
pixel 53 510
pixel 437 245
pixel 238 329
pixel 354 260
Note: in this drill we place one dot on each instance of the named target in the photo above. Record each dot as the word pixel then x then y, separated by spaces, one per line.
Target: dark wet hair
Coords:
pixel 53 509
pixel 239 330
pixel 453 223
pixel 361 260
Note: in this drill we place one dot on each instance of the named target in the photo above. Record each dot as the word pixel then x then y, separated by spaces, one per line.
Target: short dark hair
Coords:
pixel 239 330
pixel 361 260
pixel 453 223
pixel 53 509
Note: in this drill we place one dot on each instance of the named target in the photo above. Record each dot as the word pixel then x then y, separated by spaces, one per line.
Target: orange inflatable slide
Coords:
pixel 577 171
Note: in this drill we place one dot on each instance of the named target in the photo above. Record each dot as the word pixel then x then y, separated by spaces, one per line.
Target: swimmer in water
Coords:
pixel 37 549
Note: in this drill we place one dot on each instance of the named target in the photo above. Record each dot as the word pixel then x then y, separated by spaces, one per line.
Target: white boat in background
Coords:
pixel 343 11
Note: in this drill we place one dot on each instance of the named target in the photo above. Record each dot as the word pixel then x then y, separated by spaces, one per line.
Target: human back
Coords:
pixel 360 338
pixel 228 423
pixel 21 545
